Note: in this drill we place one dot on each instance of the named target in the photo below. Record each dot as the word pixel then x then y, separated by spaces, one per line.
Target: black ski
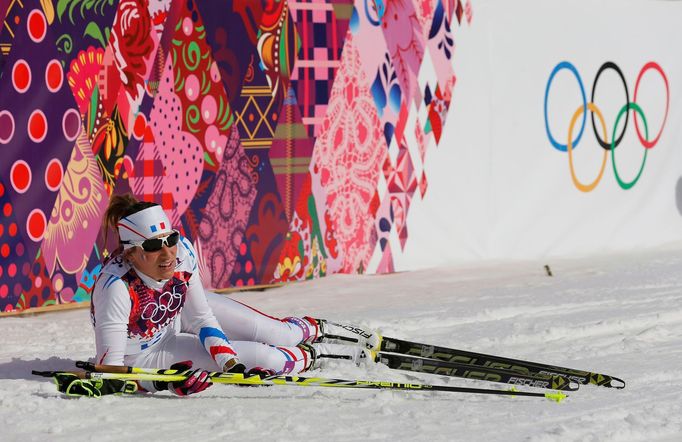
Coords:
pixel 470 371
pixel 481 361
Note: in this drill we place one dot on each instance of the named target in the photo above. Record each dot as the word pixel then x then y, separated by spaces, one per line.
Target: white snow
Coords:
pixel 619 315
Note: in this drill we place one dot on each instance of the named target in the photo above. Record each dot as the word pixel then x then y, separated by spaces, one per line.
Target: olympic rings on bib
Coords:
pixel 168 303
pixel 608 146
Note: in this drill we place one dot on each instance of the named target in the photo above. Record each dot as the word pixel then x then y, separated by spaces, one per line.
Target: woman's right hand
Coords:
pixel 197 380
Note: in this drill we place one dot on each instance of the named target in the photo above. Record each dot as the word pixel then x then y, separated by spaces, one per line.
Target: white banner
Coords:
pixel 506 183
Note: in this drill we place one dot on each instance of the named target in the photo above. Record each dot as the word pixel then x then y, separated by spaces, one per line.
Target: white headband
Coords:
pixel 142 225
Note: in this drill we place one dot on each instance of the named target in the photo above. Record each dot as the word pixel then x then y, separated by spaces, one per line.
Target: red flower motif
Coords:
pixel 132 41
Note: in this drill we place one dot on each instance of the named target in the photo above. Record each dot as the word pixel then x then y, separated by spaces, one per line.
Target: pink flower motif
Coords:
pixel 215 72
pixel 192 87
pixel 187 26
pixel 209 109
pixel 215 142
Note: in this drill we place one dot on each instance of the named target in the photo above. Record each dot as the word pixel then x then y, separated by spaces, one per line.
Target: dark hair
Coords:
pixel 121 206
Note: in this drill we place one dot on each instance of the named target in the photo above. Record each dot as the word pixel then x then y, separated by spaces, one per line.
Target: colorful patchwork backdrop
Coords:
pixel 285 139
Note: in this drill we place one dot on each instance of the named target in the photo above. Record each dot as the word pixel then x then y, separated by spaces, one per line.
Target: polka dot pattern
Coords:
pixel 13 258
pixel 53 175
pixel 243 271
pixel 71 124
pixel 37 289
pixel 21 76
pixel 37 25
pixel 54 76
pixel 6 126
pixel 36 225
pixel 21 176
pixel 37 126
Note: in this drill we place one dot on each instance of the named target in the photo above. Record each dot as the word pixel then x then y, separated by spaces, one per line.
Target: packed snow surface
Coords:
pixel 620 315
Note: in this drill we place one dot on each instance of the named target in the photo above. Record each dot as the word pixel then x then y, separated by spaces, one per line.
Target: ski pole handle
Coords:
pixel 124 369
pixel 49 374
pixel 89 366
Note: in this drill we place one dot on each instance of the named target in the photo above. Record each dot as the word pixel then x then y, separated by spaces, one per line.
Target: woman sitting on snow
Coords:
pixel 149 309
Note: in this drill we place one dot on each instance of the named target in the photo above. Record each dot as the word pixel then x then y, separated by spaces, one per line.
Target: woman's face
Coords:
pixel 158 265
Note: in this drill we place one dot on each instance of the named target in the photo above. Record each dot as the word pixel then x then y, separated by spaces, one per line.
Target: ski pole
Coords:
pixel 146 374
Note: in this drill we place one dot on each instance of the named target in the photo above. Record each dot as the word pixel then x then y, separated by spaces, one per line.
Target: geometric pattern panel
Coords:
pixel 286 140
pixel 322 26
pixel 419 123
pixel 290 153
pixel 258 111
pixel 405 40
pixel 12 14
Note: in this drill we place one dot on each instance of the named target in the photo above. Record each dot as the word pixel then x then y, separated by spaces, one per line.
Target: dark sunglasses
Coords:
pixel 155 244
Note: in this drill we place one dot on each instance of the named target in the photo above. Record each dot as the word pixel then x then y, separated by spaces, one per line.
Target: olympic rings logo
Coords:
pixel 611 146
pixel 168 303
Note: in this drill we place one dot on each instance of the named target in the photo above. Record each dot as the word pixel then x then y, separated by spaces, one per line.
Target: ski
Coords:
pixel 146 374
pixel 471 371
pixel 481 360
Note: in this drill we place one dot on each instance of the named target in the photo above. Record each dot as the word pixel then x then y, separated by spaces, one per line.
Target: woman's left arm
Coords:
pixel 201 321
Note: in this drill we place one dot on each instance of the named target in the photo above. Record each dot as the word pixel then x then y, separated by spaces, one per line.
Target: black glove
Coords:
pixel 197 380
pixel 72 385
pixel 262 372
pixel 237 368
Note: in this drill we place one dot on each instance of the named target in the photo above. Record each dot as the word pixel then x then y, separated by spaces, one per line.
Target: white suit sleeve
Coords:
pixel 111 305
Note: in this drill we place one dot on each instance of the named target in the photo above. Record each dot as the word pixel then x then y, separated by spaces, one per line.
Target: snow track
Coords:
pixel 620 315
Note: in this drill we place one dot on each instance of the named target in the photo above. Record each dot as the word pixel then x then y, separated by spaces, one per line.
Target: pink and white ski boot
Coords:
pixel 335 333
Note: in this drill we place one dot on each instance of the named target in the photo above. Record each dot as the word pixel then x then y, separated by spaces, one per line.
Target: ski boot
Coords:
pixel 321 354
pixel 335 333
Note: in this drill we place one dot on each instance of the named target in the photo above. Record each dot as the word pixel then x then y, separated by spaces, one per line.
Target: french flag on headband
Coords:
pixel 145 224
pixel 158 227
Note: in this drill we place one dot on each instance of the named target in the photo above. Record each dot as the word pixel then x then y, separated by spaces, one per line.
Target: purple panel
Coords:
pixel 231 31
pixel 42 132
